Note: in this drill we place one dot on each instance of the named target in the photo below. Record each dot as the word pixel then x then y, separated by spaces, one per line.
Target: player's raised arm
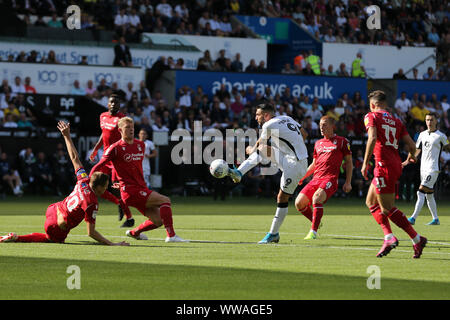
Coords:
pixel 96 148
pixel 64 127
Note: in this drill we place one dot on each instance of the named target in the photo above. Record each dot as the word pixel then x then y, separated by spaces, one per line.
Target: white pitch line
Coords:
pixel 279 245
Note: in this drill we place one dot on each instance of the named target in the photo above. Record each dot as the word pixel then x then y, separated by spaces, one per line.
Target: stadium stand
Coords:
pixel 417 23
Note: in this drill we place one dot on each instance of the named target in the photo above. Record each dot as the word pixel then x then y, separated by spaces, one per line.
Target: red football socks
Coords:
pixel 165 211
pixel 33 237
pixel 144 226
pixel 307 212
pixel 401 221
pixel 317 216
pixel 381 219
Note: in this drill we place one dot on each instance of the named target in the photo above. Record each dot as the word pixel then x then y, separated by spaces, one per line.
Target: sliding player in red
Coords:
pixel 126 155
pixel 81 204
pixel 327 159
pixel 110 134
pixel 384 133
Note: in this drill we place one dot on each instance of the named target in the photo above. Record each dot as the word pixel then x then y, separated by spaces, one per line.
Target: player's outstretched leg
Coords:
pixel 33 237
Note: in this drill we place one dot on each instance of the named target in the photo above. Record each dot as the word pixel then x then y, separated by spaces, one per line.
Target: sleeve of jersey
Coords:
pixel 369 121
pixel 81 174
pixel 419 142
pixel 346 150
pixel 265 132
pixel 91 213
pixel 445 140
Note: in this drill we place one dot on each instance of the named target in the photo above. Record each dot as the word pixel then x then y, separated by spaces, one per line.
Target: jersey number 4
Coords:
pixel 390 141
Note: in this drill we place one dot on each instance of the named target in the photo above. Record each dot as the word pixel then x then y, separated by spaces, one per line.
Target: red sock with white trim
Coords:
pixel 381 219
pixel 307 212
pixel 402 222
pixel 165 212
pixel 33 237
pixel 317 216
pixel 147 225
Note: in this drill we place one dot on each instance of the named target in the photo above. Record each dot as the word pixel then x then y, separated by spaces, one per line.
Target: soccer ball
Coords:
pixel 218 168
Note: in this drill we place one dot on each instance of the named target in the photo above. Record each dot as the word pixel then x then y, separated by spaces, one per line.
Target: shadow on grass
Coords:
pixel 43 278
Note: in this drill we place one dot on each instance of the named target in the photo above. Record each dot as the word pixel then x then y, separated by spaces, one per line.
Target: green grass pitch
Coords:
pixel 224 261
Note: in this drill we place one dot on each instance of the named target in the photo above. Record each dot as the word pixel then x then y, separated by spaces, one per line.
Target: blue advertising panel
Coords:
pixel 327 89
pixel 427 87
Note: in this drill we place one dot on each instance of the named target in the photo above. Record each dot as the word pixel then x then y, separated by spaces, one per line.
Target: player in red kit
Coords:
pixel 384 133
pixel 327 159
pixel 127 155
pixel 110 134
pixel 81 204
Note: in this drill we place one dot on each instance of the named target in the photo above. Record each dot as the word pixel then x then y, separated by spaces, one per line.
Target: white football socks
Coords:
pixel 277 221
pixel 419 204
pixel 432 205
pixel 250 162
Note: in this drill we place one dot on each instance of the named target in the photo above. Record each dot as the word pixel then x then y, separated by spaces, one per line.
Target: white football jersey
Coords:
pixel 431 144
pixel 285 135
pixel 149 147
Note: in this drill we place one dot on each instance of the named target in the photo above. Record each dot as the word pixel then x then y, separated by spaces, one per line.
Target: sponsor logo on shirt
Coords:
pixel 133 157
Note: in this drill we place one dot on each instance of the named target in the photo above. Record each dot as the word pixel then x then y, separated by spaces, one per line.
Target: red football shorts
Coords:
pixel 135 197
pixel 329 186
pixel 108 168
pixel 385 178
pixel 53 231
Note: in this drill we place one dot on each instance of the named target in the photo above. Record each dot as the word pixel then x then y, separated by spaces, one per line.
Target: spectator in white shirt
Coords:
pixel 185 96
pixel 215 23
pixel 203 20
pixel 134 19
pixel 225 25
pixel 9 122
pixel 329 37
pixel 341 20
pixel 402 106
pixel 121 19
pixel 182 10
pixel 17 87
pixel 164 9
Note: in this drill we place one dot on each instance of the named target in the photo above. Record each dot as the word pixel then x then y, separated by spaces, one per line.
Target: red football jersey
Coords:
pixel 110 131
pixel 329 154
pixel 127 161
pixel 81 203
pixel 389 131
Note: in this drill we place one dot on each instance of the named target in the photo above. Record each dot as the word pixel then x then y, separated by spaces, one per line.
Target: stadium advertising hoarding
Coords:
pixel 103 56
pixel 59 79
pixel 428 87
pixel 248 48
pixel 380 62
pixel 327 89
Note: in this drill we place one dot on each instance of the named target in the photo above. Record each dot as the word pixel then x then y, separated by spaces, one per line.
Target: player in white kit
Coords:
pixel 287 150
pixel 150 152
pixel 430 143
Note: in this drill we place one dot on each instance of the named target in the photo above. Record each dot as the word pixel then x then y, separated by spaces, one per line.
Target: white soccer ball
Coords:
pixel 218 168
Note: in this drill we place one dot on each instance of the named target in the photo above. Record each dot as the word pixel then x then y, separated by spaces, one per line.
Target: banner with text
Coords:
pixel 59 79
pixel 104 56
pixel 327 89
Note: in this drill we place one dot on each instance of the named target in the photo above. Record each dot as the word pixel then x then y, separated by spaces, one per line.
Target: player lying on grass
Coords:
pixel 327 159
pixel 384 133
pixel 65 215
pixel 127 155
